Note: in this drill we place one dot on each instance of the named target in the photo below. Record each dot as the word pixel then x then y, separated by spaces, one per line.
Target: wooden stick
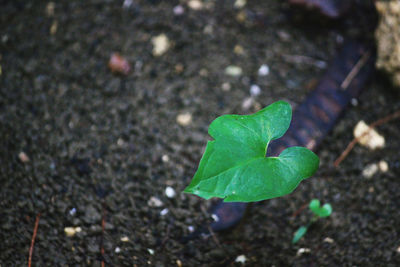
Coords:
pixel 103 227
pixel 297 212
pixel 355 140
pixel 355 70
pixel 33 239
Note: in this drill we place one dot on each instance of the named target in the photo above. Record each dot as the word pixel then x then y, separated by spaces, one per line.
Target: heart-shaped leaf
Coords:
pixel 324 211
pixel 235 167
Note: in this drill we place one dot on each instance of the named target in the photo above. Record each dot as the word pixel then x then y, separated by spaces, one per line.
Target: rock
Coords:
pixel 23 157
pixel 151 251
pixel 124 239
pixel 302 251
pixel 170 192
pixel 255 90
pixel 161 44
pixel 164 212
pixel 370 170
pixel 239 3
pixel 118 64
pixel 165 158
pixel 178 10
pixel 195 4
pixel 387 37
pixel 233 71
pixel 383 166
pixel 372 139
pixel 328 240
pixel 247 103
pixel 155 202
pixel 91 215
pixel 263 70
pixel 241 259
pixel 184 119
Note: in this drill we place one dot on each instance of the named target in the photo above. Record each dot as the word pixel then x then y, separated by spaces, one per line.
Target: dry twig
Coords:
pixel 33 239
pixel 350 146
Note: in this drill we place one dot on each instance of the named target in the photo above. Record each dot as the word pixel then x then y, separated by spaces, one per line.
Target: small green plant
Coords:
pixel 318 212
pixel 235 166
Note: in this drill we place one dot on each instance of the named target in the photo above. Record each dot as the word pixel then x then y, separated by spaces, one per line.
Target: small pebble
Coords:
pixel 165 158
pixel 195 4
pixel 215 217
pixel 161 44
pixel 71 231
pixel 191 228
pixel 241 259
pixel 239 3
pixel 208 29
pixel 238 50
pixel 263 70
pixel 301 251
pixel 372 139
pixel 370 170
pixel 328 240
pixel 247 103
pixel 117 250
pixel 50 7
pixel 184 119
pixel 127 4
pixel 178 263
pixel 23 157
pixel 155 202
pixel 72 212
pixel 178 10
pixel 170 192
pixel 150 251
pixel 120 142
pixel 233 71
pixel 124 239
pixel 354 102
pixel 255 90
pixel 398 249
pixel 118 64
pixel 164 212
pixel 53 28
pixel 179 68
pixel 383 166
pixel 226 87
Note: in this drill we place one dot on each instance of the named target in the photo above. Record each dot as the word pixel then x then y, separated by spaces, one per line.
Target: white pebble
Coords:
pixel 215 217
pixel 383 166
pixel 263 70
pixel 247 103
pixel 127 4
pixel 165 158
pixel 72 212
pixel 370 170
pixel 161 44
pixel 150 251
pixel 117 250
pixel 170 192
pixel 178 10
pixel 354 102
pixel 164 212
pixel 226 87
pixel 155 202
pixel 398 249
pixel 195 4
pixel 303 250
pixel 239 3
pixel 241 259
pixel 124 239
pixel 184 119
pixel 372 139
pixel 328 240
pixel 191 228
pixel 233 71
pixel 23 157
pixel 255 90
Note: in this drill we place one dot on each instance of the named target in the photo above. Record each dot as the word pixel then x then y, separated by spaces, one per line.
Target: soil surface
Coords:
pixel 78 143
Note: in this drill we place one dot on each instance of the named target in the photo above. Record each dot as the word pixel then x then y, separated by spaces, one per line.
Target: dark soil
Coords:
pixel 94 137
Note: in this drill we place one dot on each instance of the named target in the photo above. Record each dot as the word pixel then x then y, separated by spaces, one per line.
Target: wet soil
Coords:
pixel 97 139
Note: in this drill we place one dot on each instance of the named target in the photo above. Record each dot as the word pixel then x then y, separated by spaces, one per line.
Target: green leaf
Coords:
pixel 299 234
pixel 324 211
pixel 235 167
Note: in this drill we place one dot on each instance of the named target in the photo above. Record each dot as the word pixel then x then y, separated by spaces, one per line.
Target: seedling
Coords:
pixel 318 212
pixel 235 166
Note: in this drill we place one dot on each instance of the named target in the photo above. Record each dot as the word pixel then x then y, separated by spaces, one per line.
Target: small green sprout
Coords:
pixel 318 212
pixel 235 166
